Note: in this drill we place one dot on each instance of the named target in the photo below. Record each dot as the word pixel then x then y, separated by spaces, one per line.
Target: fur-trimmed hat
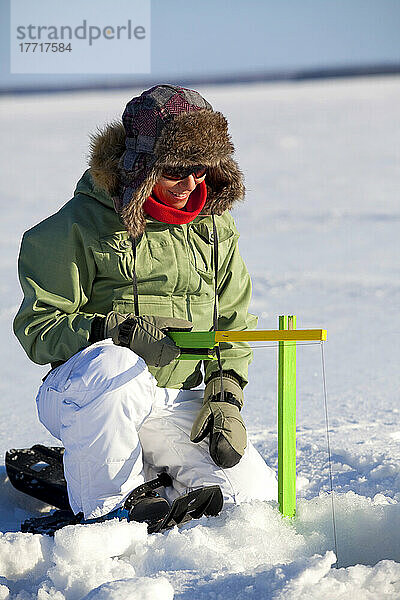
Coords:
pixel 166 126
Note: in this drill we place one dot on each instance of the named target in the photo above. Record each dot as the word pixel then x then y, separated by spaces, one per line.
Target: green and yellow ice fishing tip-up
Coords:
pixel 200 345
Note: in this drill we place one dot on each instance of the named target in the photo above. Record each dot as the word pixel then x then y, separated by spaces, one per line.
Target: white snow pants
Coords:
pixel 119 429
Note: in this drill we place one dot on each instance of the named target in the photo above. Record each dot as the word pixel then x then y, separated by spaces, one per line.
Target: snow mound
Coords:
pixel 4 592
pixel 139 588
pixel 249 552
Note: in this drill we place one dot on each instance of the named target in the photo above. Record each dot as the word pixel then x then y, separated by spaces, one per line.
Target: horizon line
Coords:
pixel 289 75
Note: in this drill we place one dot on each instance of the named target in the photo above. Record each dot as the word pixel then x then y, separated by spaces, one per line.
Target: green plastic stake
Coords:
pixel 287 421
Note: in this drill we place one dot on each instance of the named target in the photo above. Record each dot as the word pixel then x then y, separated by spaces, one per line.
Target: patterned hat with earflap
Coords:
pixel 170 126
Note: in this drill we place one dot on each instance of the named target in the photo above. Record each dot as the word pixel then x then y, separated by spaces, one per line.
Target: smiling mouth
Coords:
pixel 180 196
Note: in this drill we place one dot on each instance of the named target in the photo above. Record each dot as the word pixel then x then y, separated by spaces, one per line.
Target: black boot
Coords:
pixel 149 509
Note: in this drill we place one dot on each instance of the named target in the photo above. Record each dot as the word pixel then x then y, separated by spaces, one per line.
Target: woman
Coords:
pixel 131 256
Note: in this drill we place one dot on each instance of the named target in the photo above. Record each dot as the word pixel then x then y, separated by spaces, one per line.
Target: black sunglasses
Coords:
pixel 178 173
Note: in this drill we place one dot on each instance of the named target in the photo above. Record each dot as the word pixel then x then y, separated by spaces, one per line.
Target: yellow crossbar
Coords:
pixel 272 335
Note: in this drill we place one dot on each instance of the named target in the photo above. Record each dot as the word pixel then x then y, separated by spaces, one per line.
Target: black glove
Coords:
pixel 146 335
pixel 223 421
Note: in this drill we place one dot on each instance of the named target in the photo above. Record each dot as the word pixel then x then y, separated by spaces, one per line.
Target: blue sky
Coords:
pixel 215 37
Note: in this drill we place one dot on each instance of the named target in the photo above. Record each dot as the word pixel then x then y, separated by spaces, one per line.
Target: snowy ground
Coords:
pixel 320 234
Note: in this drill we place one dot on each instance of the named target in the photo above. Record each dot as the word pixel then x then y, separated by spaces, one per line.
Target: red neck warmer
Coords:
pixel 167 214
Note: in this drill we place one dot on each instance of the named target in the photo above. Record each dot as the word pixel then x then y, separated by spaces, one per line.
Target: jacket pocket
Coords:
pixel 201 242
pixel 117 256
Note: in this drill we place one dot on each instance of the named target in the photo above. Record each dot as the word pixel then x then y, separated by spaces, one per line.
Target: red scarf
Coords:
pixel 175 216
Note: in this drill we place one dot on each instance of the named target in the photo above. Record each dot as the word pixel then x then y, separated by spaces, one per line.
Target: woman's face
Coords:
pixel 175 193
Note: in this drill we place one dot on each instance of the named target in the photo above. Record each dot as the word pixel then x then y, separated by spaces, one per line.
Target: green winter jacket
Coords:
pixel 78 263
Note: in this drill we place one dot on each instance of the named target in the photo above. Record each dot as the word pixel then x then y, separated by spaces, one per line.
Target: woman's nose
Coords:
pixel 188 184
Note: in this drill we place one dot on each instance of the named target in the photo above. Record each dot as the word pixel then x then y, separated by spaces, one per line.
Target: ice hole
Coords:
pixel 367 528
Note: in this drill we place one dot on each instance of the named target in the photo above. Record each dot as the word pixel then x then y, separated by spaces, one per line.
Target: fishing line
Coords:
pixel 329 453
pixel 287 344
pixel 276 345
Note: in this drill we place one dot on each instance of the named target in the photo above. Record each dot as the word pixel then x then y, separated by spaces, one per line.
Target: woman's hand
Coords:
pixel 146 335
pixel 222 421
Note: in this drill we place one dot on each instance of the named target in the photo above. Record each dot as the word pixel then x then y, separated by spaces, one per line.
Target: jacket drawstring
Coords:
pixel 134 279
pixel 217 349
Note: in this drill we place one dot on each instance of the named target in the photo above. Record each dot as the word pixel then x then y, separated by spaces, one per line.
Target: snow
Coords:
pixel 319 233
pixel 246 552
